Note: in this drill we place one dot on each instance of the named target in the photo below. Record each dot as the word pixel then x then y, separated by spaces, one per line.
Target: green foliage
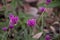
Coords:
pixel 22 34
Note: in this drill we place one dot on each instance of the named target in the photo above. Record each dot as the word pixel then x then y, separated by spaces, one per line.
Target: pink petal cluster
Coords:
pixel 31 22
pixel 48 1
pixel 4 29
pixel 13 20
pixel 41 9
pixel 47 37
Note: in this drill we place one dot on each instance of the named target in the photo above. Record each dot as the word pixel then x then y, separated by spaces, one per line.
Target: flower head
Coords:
pixel 4 29
pixel 41 9
pixel 11 15
pixel 31 22
pixel 48 2
pixel 47 37
pixel 11 26
pixel 13 19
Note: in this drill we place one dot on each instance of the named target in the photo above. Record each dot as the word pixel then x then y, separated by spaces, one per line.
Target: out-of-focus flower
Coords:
pixel 47 37
pixel 48 2
pixel 11 26
pixel 41 9
pixel 31 22
pixel 11 15
pixel 4 29
pixel 13 19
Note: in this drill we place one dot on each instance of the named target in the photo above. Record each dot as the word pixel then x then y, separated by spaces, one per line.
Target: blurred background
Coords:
pixel 46 13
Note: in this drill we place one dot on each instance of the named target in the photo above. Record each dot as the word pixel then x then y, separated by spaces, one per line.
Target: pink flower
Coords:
pixel 41 9
pixel 4 29
pixel 13 19
pixel 48 2
pixel 47 37
pixel 11 26
pixel 31 22
pixel 11 15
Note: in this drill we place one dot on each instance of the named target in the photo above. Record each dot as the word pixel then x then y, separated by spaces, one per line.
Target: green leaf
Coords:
pixel 54 4
pixel 14 4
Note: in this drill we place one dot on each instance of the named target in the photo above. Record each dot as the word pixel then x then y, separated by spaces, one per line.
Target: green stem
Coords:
pixel 25 34
pixel 42 22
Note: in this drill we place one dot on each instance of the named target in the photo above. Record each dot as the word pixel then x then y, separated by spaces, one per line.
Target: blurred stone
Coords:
pixel 38 35
pixel 56 22
pixel 30 0
pixel 52 29
pixel 33 11
pixel 46 31
pixel 8 1
pixel 40 1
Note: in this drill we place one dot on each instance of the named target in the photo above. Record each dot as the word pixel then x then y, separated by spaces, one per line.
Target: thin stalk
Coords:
pixel 42 22
pixel 25 34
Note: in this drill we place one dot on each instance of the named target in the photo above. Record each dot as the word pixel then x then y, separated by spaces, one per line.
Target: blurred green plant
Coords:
pixel 21 29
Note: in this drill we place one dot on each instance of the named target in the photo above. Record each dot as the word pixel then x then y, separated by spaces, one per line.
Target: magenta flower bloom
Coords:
pixel 13 19
pixel 31 22
pixel 4 29
pixel 48 2
pixel 41 9
pixel 11 15
pixel 47 37
pixel 11 26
